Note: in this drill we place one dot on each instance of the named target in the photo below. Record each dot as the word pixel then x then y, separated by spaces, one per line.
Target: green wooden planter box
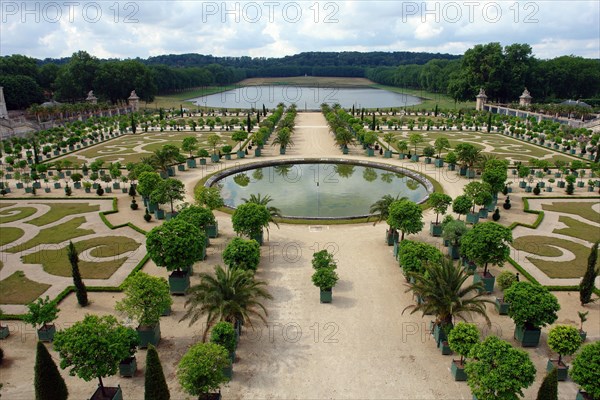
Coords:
pixel 326 296
pixel 149 335
pixel 458 371
pixel 46 333
pixel 114 393
pixel 203 161
pixel 258 238
pixel 454 252
pixel 241 154
pixel 108 189
pixel 282 150
pixel 387 154
pixel 488 281
pixel 439 162
pixel 179 282
pixel 191 162
pixel 522 184
pixel 439 335
pixel 445 348
pixel 401 156
pixel 128 367
pixel 159 214
pixel 152 207
pixel 528 337
pixel 180 167
pixel 501 306
pixel 396 248
pixel 580 184
pixel 212 231
pixel 257 152
pixel 370 152
pixel 472 218
pixel 4 332
pixel 228 371
pixel 562 369
pixel 391 237
pixel 471 174
pixel 483 212
pixel 414 158
pixel 435 229
pixel 582 395
pixel 116 185
pixel 451 167
pixel 582 335
pixel 427 160
pixel 28 190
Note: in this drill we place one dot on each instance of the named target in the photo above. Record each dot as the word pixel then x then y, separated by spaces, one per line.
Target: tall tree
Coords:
pixel 586 287
pixel 155 384
pixel 80 289
pixel 47 381
pixel 549 388
pixel 405 216
pixel 76 78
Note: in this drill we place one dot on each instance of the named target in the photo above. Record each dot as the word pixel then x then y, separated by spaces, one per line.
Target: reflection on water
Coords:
pixel 320 190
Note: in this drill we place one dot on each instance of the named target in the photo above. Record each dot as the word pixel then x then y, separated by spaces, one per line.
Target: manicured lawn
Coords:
pixel 9 234
pixel 58 211
pixel 18 289
pixel 541 245
pixel 57 234
pixel 581 208
pixel 7 216
pixel 578 229
pixel 3 204
pixel 55 261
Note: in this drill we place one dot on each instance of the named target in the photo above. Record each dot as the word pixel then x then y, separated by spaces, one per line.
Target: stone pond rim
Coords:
pixel 323 160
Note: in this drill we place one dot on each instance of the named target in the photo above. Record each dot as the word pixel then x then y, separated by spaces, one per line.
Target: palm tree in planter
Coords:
pixel 405 216
pixel 381 207
pixel 40 314
pixel 468 155
pixel 94 348
pixel 532 307
pixel 274 212
pixel 440 203
pixel 175 246
pixel 461 340
pixel 325 279
pixel 564 340
pixel 231 295
pixel 224 334
pixel 487 243
pixel 283 139
pixel 167 191
pixel 445 294
pixel 146 299
pixel 249 219
pixel 452 233
pixel 505 280
pixel 402 146
pixel 343 138
pixel 582 319
pixel 585 371
pixel 200 370
pixel 498 371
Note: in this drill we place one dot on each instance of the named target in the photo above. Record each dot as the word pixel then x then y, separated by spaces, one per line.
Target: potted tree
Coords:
pixel 175 246
pixel 242 253
pixel 532 306
pixel 461 340
pixel 498 371
pixel 585 371
pixel 94 348
pixel 505 280
pixel 283 139
pixel 451 159
pixel 582 319
pixel 440 203
pixel 428 152
pixel 200 371
pixel 484 244
pixel 452 233
pixel 415 139
pixel 388 137
pixel 239 137
pixel 402 146
pixel 249 219
pixel 440 145
pixel 147 183
pixel 203 153
pixel 413 256
pixel 227 151
pixel 224 334
pixel 564 340
pixel 405 216
pixel 325 279
pixel 461 205
pixel 369 139
pixel 167 191
pixel 213 140
pixel 40 315
pixel 210 197
pixel 146 298
pixel 190 144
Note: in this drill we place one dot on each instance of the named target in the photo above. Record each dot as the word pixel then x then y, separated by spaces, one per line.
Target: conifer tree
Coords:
pixel 549 388
pixel 155 385
pixel 586 287
pixel 80 288
pixel 48 383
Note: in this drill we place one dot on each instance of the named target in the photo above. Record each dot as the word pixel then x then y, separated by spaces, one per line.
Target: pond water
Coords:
pixel 306 98
pixel 320 190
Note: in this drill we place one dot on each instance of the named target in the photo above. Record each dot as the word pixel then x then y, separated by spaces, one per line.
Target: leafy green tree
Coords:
pixel 189 144
pixel 146 298
pixel 94 347
pixel 405 216
pixel 586 286
pixel 415 139
pixel 174 245
pixel 274 212
pixel 462 338
pixel 479 192
pixel 531 304
pixel 381 207
pixel 239 137
pixel 250 218
pixel 445 294
pixel 242 253
pixel 48 383
pixel 20 91
pixel 549 388
pixel 80 289
pixel 453 231
pixel 168 191
pixel 155 384
pixel 461 205
pixel 440 203
pixel 495 173
pixel 209 197
pixel 413 256
pixel 200 370
pixel 41 312
pixel 323 259
pixel 325 278
pixel 564 340
pixel 230 295
pixel 441 144
pixel 76 77
pixel 487 243
pixel 213 140
pixel 585 369
pixel 223 334
pixel 498 371
pixel 197 216
pixel 147 183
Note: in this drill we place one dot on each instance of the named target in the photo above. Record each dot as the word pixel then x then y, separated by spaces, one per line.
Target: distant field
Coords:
pixel 321 81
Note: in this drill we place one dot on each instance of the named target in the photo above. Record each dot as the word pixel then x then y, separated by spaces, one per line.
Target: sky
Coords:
pixel 129 29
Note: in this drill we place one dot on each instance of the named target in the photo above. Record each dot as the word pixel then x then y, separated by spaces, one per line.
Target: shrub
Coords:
pixel 325 278
pixel 323 259
pixel 564 340
pixel 531 304
pixel 585 369
pixel 201 368
pixel 505 280
pixel 223 333
pixel 462 338
pixel 242 253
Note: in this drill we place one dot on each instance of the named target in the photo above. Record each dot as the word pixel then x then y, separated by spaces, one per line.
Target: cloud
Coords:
pixel 275 29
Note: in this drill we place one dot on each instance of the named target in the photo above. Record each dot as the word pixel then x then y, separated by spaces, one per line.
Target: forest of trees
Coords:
pixel 503 72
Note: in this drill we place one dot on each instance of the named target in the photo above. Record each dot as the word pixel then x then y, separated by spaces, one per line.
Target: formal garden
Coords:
pixel 242 302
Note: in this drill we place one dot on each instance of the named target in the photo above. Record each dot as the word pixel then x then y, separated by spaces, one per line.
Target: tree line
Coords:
pixel 503 72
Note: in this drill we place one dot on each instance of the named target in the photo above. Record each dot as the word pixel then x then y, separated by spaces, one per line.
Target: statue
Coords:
pixel 132 94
